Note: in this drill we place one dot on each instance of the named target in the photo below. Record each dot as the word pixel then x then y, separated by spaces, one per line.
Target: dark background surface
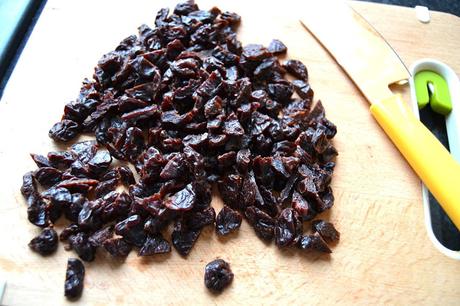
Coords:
pixel 448 6
pixel 20 16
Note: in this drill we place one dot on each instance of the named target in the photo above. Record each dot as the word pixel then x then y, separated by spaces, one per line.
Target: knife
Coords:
pixel 373 65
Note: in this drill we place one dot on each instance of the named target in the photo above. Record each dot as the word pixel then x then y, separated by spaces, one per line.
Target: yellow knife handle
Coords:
pixel 426 155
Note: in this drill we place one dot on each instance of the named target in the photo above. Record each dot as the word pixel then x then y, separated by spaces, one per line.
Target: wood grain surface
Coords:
pixel 384 256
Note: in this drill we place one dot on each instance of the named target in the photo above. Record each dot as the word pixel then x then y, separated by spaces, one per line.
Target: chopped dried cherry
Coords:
pixel 326 230
pixel 263 224
pixel 184 238
pixel 84 249
pixel 64 130
pixel 314 242
pixel 117 247
pixel 288 228
pixel 46 243
pixel 277 47
pixel 74 276
pixel 297 69
pixel 227 221
pixel 217 275
pixel 155 245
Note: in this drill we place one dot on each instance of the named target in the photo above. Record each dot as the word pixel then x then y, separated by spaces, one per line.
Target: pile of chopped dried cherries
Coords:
pixel 186 106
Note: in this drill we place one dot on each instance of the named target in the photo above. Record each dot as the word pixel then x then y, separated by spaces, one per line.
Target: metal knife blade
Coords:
pixel 356 46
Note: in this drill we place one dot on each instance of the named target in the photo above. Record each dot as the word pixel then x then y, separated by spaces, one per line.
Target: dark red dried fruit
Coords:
pixel 64 130
pixel 255 52
pixel 82 246
pixel 187 105
pixel 229 189
pixel 326 230
pixel 297 69
pixel 74 277
pixel 70 230
pixel 84 150
pixel 288 228
pixel 48 176
pixel 99 237
pixel 182 200
pixel 132 230
pixel 29 185
pixel 36 210
pixel 40 160
pixel 78 185
pixel 196 220
pixel 117 247
pixel 263 224
pixel 277 47
pixel 72 210
pixel 46 243
pixel 155 245
pixel 184 238
pixel 61 159
pixel 100 162
pixel 303 90
pixel 314 243
pixel 217 275
pixel 227 221
pixel 302 207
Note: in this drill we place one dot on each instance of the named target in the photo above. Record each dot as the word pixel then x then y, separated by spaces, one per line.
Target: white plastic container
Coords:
pixel 453 132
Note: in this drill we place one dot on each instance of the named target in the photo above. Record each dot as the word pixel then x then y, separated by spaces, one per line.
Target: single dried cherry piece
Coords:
pixel 64 130
pixel 314 243
pixel 48 176
pixel 100 162
pixel 70 230
pixel 36 210
pixel 297 69
pixel 303 89
pixel 217 275
pixel 155 245
pixel 29 185
pixel 263 224
pixel 84 150
pixel 326 230
pixel 132 230
pixel 40 160
pixel 277 47
pixel 227 221
pixel 117 247
pixel 82 246
pixel 100 236
pixel 302 206
pixel 288 228
pixel 61 159
pixel 182 200
pixel 196 220
pixel 46 243
pixel 255 52
pixel 229 188
pixel 72 210
pixel 74 277
pixel 184 238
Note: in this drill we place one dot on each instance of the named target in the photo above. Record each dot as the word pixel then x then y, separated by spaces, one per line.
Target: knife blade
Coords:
pixel 373 65
pixel 353 54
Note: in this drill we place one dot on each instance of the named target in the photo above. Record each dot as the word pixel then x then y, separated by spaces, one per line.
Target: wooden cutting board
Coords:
pixel 384 256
